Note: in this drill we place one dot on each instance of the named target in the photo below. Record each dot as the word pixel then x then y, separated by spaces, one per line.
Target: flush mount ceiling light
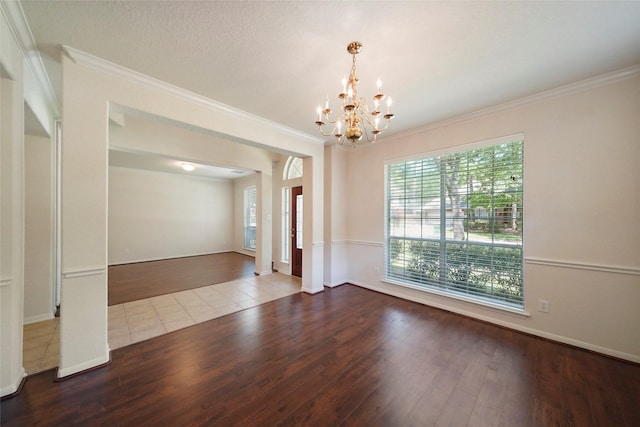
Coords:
pixel 188 167
pixel 354 113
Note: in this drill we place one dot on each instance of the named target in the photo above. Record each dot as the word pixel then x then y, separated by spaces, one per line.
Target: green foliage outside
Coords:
pixel 482 270
pixel 481 252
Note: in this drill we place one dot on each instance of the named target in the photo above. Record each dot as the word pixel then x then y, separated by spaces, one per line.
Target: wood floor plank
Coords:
pixel 135 281
pixel 347 356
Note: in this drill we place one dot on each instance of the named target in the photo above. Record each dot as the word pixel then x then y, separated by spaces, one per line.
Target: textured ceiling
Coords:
pixel 280 60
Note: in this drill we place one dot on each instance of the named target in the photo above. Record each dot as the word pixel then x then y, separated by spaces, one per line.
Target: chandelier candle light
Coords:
pixel 355 116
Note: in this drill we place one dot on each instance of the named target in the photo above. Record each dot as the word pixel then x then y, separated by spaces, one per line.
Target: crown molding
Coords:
pixel 88 60
pixel 579 86
pixel 19 27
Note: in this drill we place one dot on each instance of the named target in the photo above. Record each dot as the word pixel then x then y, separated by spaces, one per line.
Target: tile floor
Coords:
pixel 41 346
pixel 139 320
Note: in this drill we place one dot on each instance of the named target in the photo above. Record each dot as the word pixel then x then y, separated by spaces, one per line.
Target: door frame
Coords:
pixel 296 252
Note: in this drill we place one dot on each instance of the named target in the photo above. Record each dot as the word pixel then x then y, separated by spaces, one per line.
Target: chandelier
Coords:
pixel 354 117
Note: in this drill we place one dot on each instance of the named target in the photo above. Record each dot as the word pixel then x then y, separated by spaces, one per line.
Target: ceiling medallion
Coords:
pixel 354 116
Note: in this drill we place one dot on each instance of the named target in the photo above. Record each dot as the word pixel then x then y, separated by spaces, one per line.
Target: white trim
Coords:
pixel 339 242
pixel 84 272
pixel 458 148
pixel 516 327
pixel 485 303
pixel 311 291
pixel 31 56
pixel 317 244
pixel 57 250
pixel 582 85
pixel 365 243
pixel 38 318
pixel 334 285
pixel 6 281
pixel 12 388
pixel 84 365
pixel 100 64
pixel 265 272
pixel 634 271
pixel 243 251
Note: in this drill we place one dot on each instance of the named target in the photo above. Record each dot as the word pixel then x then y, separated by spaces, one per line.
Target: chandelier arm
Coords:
pixel 333 122
pixel 386 124
pixel 322 131
pixel 369 137
pixel 367 116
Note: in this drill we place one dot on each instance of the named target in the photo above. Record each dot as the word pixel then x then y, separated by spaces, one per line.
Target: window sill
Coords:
pixel 520 312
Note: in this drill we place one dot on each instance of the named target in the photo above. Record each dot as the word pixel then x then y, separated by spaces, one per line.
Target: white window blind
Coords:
pixel 250 218
pixel 454 223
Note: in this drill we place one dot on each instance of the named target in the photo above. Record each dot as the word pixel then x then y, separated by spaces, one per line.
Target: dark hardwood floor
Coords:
pixel 347 356
pixel 131 282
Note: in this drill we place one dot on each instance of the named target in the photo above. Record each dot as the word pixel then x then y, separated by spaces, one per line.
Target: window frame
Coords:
pixel 286 227
pixel 247 214
pixel 293 168
pixel 445 288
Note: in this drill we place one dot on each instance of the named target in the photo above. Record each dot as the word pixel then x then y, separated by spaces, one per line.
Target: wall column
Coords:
pixel 264 214
pixel 313 224
pixel 84 178
pixel 11 233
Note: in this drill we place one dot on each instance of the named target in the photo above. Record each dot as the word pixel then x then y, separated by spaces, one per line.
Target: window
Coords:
pixel 299 222
pixel 454 223
pixel 250 218
pixel 293 168
pixel 285 224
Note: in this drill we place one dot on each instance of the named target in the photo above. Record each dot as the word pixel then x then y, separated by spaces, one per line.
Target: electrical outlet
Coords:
pixel 543 305
pixel 126 252
pixel 376 271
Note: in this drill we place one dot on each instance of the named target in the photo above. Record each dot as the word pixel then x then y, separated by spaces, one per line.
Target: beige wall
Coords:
pixel 157 215
pixel 581 239
pixel 39 230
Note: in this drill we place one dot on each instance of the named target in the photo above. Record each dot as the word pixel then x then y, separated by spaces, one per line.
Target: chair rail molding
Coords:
pixel 634 271
pixel 83 272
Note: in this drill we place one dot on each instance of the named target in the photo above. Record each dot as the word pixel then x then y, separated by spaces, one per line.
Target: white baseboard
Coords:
pixel 13 387
pixel 543 334
pixel 311 291
pixel 265 272
pixel 333 285
pixel 84 366
pixel 38 318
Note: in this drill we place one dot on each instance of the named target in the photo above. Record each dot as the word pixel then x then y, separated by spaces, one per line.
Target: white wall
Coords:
pixel 581 238
pixel 39 270
pixel 158 215
pixel 11 210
